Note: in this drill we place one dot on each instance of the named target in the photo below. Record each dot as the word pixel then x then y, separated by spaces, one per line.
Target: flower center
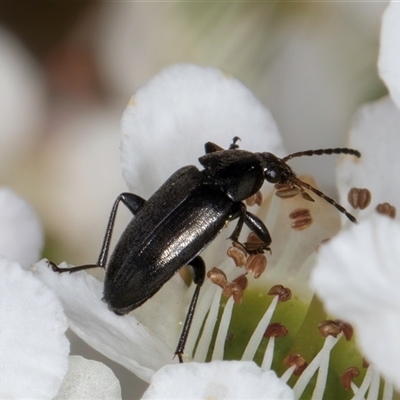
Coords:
pixel 239 319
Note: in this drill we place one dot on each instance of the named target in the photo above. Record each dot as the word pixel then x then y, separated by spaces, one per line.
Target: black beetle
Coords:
pixel 183 216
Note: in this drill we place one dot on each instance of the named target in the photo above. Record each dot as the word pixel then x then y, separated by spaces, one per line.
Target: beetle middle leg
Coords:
pixel 255 225
pixel 133 202
pixel 198 270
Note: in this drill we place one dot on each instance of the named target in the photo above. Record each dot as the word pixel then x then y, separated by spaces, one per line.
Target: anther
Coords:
pixel 386 209
pixel 298 361
pixel 255 199
pixel 238 254
pixel 286 190
pixel 256 264
pixel 241 281
pixel 237 293
pixel 217 277
pixel 284 294
pixel 347 377
pixel 359 198
pixel 276 330
pixel 302 219
pixel 346 328
pixel 329 328
pixel 255 245
pixel 234 289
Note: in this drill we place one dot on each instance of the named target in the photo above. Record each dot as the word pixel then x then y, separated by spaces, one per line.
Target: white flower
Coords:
pixel 357 274
pixel 219 379
pixel 193 104
pixel 33 346
pixel 188 104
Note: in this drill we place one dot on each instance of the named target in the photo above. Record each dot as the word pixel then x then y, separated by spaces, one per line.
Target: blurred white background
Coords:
pixel 67 70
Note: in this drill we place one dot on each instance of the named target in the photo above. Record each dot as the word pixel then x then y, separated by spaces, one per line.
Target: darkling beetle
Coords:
pixel 183 216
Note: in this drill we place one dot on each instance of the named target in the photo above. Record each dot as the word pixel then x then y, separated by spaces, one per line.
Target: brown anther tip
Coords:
pixel 256 264
pixel 302 219
pixel 299 212
pixel 329 328
pixel 346 328
pixel 237 293
pixel 386 209
pixel 347 377
pixel 242 281
pixel 284 294
pixel 259 198
pixel 286 190
pixel 298 361
pixel 234 290
pixel 359 198
pixel 256 198
pixel 238 254
pixel 365 363
pixel 276 330
pixel 217 277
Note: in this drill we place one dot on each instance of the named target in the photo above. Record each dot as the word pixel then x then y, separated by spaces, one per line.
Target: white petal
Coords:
pixel 123 339
pixel 357 275
pixel 168 121
pixel 389 54
pixel 33 346
pixel 21 234
pixel 375 133
pixel 217 380
pixel 89 380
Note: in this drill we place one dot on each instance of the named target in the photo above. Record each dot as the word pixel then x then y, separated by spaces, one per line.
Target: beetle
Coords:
pixel 171 228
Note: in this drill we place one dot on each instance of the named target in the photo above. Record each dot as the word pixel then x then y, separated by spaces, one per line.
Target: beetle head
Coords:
pixel 276 170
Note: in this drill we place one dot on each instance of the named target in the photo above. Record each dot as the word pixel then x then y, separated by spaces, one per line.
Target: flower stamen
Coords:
pixel 286 190
pixel 321 362
pixel 281 294
pixel 302 219
pixel 257 198
pixel 347 377
pixel 386 209
pixel 273 331
pixel 359 198
pixel 296 365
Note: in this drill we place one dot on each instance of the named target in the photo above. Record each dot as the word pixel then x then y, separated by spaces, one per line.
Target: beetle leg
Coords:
pixel 238 211
pixel 133 202
pixel 198 270
pixel 255 225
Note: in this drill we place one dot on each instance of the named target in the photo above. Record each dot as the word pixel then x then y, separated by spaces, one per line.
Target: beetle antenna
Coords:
pixel 328 199
pixel 319 152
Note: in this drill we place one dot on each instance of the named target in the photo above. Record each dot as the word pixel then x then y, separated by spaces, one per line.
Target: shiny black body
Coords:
pixel 182 217
pixel 171 228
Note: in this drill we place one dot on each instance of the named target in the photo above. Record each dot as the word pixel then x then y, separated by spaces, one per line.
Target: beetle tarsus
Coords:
pixel 56 268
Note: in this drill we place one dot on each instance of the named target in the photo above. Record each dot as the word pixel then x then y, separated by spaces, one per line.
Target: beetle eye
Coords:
pixel 272 175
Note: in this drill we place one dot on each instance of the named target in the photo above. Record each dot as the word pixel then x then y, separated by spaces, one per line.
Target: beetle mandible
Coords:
pixel 171 228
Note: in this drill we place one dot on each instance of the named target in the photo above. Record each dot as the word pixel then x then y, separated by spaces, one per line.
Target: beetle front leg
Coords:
pixel 254 224
pixel 198 269
pixel 133 202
